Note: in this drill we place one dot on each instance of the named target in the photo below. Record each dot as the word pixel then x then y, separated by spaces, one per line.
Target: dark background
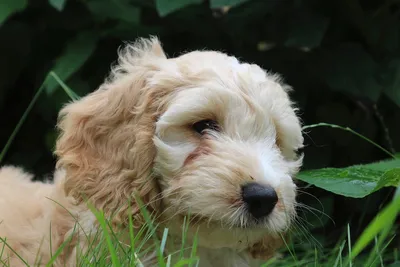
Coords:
pixel 342 57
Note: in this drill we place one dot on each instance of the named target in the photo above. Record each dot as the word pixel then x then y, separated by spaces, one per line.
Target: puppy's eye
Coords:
pixel 203 125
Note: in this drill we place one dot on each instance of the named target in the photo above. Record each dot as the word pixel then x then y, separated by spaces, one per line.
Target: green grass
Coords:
pixel 105 249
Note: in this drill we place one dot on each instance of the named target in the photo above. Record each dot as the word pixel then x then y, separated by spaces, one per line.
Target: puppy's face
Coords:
pixel 226 149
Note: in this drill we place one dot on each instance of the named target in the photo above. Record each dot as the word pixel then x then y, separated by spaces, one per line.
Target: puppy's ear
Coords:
pixel 105 143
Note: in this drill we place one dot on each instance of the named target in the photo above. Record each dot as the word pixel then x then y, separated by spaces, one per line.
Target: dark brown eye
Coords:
pixel 201 126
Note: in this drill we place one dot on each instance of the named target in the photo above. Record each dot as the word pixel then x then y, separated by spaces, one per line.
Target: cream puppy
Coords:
pixel 201 135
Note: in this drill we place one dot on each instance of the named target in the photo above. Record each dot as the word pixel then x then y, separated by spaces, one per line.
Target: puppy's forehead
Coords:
pixel 248 80
pixel 221 63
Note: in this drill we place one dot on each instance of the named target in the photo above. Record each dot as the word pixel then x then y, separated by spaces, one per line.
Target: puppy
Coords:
pixel 201 136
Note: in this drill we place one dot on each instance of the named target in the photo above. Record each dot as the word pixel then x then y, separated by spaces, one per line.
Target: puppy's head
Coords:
pixel 200 135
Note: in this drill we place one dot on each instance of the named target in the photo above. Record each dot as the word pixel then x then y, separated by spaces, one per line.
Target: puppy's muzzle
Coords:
pixel 260 199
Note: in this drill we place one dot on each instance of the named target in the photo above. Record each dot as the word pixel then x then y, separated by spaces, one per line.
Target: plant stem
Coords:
pixel 323 124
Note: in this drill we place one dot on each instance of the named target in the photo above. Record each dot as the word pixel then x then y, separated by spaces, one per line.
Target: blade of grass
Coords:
pixel 91 243
pixel 169 260
pixel 184 262
pixel 164 240
pixel 185 228
pixel 323 124
pixel 138 262
pixel 339 256
pixel 139 236
pixel 135 237
pixel 290 251
pixel 66 89
pixel 147 217
pixel 132 238
pixel 114 235
pixel 184 231
pixel 21 121
pixel 372 257
pixel 60 248
pixel 378 252
pixel 2 251
pixel 76 220
pixel 4 263
pixel 349 245
pixel 50 242
pixel 315 257
pixel 382 223
pixel 13 251
pixel 193 253
pixel 150 225
pixel 100 218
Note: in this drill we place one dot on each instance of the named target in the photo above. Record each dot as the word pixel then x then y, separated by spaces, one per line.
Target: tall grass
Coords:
pixel 105 249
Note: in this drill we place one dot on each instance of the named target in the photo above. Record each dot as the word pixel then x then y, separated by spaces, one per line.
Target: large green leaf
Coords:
pixel 392 88
pixel 58 4
pixel 306 28
pixel 355 181
pixel 74 56
pixel 9 7
pixel 118 9
pixel 165 7
pixel 221 3
pixel 350 69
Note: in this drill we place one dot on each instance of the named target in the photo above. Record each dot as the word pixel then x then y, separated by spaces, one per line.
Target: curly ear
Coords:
pixel 105 143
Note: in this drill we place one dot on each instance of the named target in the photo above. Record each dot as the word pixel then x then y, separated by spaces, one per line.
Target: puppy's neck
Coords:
pixel 220 248
pixel 218 257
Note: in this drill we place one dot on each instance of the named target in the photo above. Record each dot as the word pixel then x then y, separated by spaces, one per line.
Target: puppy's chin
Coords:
pixel 277 222
pixel 216 234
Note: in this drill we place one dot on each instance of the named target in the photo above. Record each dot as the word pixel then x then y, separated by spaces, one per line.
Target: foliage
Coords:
pixel 382 223
pixel 341 57
pixel 355 181
pixel 7 8
pixel 74 56
pixel 341 71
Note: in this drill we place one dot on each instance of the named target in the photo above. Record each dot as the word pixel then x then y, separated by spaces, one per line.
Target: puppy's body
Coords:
pixel 35 220
pixel 35 223
pixel 201 134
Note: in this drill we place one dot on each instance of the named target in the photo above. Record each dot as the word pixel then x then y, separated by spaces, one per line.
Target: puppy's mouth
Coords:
pixel 239 219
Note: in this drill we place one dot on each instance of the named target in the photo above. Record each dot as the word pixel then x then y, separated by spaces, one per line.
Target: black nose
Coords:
pixel 260 199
